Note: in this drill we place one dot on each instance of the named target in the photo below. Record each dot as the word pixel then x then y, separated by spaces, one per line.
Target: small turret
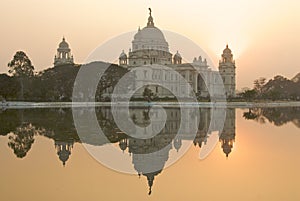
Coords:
pixel 123 59
pixel 177 59
pixel 63 55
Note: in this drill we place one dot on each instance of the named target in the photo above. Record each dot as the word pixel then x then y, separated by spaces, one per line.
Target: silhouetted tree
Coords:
pixel 249 94
pixel 258 85
pixel 21 67
pixel 8 87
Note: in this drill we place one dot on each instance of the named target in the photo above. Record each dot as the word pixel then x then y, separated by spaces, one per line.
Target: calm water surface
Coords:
pixel 257 157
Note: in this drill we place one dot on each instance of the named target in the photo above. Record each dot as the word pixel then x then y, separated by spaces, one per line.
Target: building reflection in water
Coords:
pixel 63 150
pixel 22 126
pixel 227 136
pixel 168 139
pixel 139 164
pixel 57 124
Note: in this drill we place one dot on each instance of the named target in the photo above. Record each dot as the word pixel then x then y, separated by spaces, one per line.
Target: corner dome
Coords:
pixel 123 55
pixel 227 50
pixel 123 145
pixel 177 55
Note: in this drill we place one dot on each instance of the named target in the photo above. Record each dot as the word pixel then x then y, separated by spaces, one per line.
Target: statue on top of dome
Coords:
pixel 150 19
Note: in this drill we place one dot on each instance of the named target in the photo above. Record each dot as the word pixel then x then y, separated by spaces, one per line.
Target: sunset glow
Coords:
pixel 263 35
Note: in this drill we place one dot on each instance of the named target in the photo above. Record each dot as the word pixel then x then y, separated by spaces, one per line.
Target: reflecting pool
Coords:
pixel 256 156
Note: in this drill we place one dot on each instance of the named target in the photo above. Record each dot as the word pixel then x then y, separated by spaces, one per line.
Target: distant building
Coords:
pixel 63 55
pixel 150 48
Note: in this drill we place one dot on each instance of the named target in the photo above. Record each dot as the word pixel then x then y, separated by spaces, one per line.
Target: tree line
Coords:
pixel 278 88
pixel 22 83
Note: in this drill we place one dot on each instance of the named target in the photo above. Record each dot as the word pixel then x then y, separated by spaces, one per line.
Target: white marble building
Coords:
pixel 150 49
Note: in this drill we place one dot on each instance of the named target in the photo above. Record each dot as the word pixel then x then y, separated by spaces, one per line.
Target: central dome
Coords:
pixel 150 33
pixel 150 37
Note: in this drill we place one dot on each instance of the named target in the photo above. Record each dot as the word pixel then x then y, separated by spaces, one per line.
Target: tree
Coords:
pixel 148 94
pixel 274 95
pixel 259 84
pixel 21 68
pixel 249 94
pixel 8 87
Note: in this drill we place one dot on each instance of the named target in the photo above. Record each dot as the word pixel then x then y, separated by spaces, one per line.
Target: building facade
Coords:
pixel 150 49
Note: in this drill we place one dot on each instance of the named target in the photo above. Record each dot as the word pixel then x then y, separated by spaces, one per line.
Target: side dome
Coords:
pixel 123 144
pixel 227 50
pixel 63 44
pixel 177 55
pixel 123 55
pixel 227 55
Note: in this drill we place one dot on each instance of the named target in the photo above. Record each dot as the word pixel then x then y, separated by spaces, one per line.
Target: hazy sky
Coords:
pixel 263 35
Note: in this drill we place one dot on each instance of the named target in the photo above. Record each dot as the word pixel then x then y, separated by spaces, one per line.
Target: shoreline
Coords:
pixel 25 105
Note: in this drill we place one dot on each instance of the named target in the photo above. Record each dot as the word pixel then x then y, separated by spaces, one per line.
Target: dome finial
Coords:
pixel 150 19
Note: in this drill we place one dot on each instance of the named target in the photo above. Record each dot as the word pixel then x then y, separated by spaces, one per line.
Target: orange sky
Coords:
pixel 263 35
